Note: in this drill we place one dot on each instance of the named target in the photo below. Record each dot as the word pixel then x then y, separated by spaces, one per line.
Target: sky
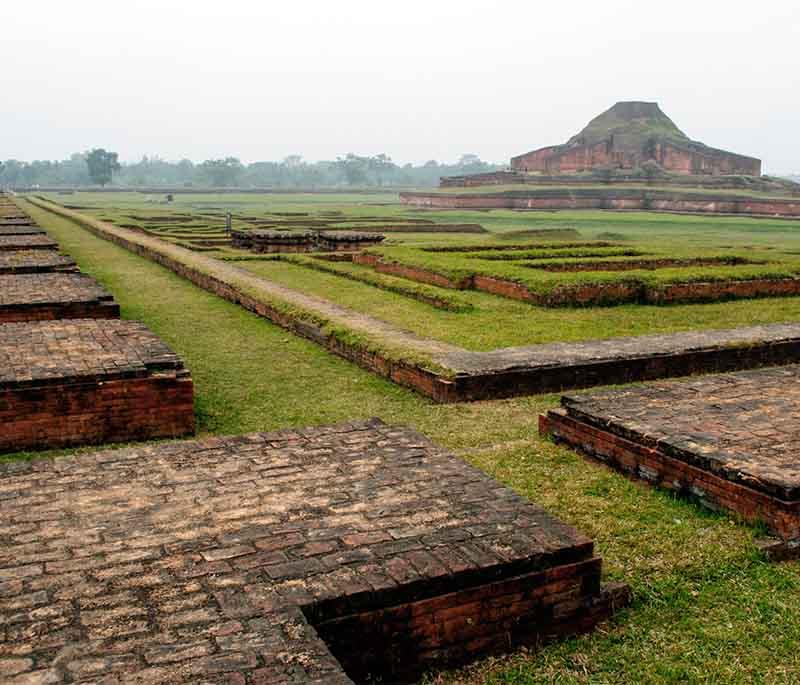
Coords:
pixel 418 79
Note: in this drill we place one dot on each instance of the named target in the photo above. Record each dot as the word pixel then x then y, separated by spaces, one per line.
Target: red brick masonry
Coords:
pixel 44 296
pixel 34 261
pixel 730 440
pixel 594 294
pixel 641 200
pixel 86 381
pixel 226 560
pixel 36 241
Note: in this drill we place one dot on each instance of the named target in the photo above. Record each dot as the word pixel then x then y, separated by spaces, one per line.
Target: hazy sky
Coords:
pixel 415 79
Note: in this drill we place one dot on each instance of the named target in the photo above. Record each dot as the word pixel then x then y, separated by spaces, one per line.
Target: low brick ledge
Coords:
pixel 35 261
pixel 729 449
pixel 87 381
pixel 49 296
pixel 319 555
pixel 27 242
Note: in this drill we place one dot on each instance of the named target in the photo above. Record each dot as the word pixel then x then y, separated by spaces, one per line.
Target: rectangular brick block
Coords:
pixel 727 440
pixel 85 381
pixel 247 598
pixel 46 296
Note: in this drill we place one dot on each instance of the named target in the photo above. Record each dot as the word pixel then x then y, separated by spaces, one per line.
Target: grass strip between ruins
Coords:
pixel 435 297
pixel 707 609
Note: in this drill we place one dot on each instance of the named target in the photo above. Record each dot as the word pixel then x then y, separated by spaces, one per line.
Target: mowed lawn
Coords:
pixel 707 609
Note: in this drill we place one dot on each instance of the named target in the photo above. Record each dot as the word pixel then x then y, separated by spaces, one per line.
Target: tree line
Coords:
pixel 101 167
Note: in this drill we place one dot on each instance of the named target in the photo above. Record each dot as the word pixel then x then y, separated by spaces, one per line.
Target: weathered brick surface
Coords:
pixel 216 560
pixel 41 296
pixel 277 241
pixel 730 440
pixel 35 261
pixel 19 227
pixel 27 242
pixel 86 381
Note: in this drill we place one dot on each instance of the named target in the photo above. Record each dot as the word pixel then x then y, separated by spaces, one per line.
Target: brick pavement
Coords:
pixel 34 261
pixel 227 560
pixel 730 440
pixel 84 381
pixel 38 296
pixel 27 242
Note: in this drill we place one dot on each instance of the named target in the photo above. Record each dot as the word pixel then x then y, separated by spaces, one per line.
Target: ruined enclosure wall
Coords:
pixel 587 198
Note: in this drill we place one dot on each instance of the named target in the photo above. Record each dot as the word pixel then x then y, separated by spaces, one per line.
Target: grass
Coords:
pixel 707 609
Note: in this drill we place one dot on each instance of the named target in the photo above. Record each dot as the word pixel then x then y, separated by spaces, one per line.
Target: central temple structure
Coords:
pixel 629 136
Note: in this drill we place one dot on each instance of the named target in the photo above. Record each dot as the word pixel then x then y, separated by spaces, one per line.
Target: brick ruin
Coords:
pixel 35 261
pixel 617 199
pixel 34 241
pixel 39 296
pixel 349 553
pixel 272 241
pixel 71 373
pixel 629 136
pixel 729 441
pixel 89 381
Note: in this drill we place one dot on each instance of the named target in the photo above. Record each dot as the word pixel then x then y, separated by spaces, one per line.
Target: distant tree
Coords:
pixel 293 161
pixel 222 172
pixel 102 165
pixel 353 168
pixel 381 165
pixel 469 160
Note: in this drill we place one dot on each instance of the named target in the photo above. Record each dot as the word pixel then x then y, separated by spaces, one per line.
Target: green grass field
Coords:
pixel 706 608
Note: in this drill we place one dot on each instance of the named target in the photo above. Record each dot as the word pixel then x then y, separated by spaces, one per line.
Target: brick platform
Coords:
pixel 27 242
pixel 19 227
pixel 86 381
pixel 36 297
pixel 35 261
pixel 730 440
pixel 310 556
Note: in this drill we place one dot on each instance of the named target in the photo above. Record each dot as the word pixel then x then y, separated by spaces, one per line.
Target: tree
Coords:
pixel 102 165
pixel 222 172
pixel 381 165
pixel 354 168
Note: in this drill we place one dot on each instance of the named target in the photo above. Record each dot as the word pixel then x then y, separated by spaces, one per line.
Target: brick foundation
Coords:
pixel 35 261
pixel 27 242
pixel 65 383
pixel 47 296
pixel 730 449
pixel 317 555
pixel 589 198
pixel 513 371
pixel 607 294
